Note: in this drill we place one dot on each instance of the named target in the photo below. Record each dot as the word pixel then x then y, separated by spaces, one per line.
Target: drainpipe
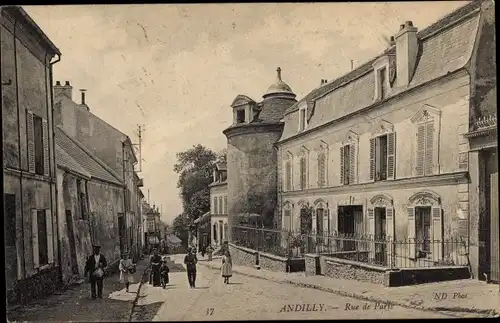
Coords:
pixel 54 167
pixel 23 262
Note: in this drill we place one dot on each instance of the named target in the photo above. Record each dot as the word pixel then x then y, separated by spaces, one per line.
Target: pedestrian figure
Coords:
pixel 190 261
pixel 127 270
pixel 202 249
pixel 210 251
pixel 227 267
pixel 164 270
pixel 155 262
pixel 95 266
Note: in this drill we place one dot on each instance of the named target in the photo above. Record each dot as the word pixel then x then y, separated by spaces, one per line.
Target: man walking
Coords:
pixel 190 261
pixel 95 266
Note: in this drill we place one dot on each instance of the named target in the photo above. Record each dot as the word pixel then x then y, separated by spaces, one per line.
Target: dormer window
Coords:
pixel 382 83
pixel 302 118
pixel 240 116
pixel 381 73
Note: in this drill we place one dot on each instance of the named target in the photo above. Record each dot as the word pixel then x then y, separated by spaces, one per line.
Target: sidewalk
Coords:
pixel 462 296
pixel 75 304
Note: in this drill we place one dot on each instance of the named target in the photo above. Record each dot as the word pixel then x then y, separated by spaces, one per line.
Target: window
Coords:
pixel 425 149
pixel 345 164
pixel 43 256
pixel 215 231
pixel 225 205
pixel 215 205
pixel 81 199
pixel 423 229
pixel 240 116
pixel 321 169
pixel 151 225
pixel 288 175
pixel 382 83
pixel 221 210
pixel 382 157
pixel 302 119
pixel 287 214
pixel 303 173
pixel 38 141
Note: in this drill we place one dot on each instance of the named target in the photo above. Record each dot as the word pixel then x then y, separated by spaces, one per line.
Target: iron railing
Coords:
pixel 364 248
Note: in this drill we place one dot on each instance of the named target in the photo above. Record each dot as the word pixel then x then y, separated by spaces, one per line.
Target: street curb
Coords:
pixel 491 312
pixel 136 299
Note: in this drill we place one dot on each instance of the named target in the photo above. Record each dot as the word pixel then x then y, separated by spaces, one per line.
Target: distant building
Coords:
pixel 30 209
pixel 217 218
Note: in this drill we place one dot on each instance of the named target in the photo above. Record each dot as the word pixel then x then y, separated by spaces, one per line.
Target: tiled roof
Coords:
pixel 65 161
pixel 445 46
pixel 84 158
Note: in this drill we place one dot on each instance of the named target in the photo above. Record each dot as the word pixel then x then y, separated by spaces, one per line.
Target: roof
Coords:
pixel 445 46
pixel 89 162
pixel 279 86
pixel 66 162
pixel 171 239
pixel 19 12
pixel 203 218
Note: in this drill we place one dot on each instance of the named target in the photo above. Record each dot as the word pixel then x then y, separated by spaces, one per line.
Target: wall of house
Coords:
pixel 218 191
pixel 215 219
pixel 26 64
pixel 106 202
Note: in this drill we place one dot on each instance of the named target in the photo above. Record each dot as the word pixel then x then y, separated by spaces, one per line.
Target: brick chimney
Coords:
pixel 83 104
pixel 65 89
pixel 406 53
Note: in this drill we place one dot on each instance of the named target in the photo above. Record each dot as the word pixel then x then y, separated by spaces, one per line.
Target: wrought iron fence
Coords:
pixel 378 251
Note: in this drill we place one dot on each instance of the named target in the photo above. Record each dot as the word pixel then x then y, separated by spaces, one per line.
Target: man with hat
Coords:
pixel 95 266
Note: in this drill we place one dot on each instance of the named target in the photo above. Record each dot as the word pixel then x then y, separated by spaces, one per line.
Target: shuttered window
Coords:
pixel 30 134
pixel 425 149
pixel 303 173
pixel 302 121
pixel 215 205
pixel 38 144
pixel 288 175
pixel 42 237
pixel 225 205
pixel 347 163
pixel 382 157
pixel 321 169
pixel 287 214
pixel 221 211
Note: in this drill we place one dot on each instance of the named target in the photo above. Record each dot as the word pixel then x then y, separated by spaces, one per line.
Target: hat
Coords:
pixel 96 247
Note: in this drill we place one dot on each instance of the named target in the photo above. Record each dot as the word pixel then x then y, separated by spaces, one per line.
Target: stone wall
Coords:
pixel 42 284
pixel 312 265
pixel 345 269
pixel 242 256
pixel 272 262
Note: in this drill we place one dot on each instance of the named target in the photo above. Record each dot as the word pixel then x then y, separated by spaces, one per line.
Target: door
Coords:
pixel 72 245
pixel 121 230
pixel 10 239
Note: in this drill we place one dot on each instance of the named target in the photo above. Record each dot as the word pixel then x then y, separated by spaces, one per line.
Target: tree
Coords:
pixel 222 156
pixel 195 167
pixel 180 228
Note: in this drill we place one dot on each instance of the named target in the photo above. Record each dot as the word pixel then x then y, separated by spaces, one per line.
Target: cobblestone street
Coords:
pixel 247 298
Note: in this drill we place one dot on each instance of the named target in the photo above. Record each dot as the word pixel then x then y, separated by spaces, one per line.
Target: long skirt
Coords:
pixel 126 277
pixel 155 276
pixel 226 270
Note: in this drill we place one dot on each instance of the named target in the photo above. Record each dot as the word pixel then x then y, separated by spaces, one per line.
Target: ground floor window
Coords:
pixel 350 225
pixel 423 230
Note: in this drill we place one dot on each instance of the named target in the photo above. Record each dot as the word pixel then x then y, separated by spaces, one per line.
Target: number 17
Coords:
pixel 210 311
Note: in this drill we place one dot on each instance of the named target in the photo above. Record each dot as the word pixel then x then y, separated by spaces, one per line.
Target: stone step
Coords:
pixel 256 267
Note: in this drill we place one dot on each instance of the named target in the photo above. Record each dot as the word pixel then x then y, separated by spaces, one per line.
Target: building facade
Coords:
pixel 90 204
pixel 380 151
pixel 30 210
pixel 218 215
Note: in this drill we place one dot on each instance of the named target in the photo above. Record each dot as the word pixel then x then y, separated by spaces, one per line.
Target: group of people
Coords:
pixel 159 270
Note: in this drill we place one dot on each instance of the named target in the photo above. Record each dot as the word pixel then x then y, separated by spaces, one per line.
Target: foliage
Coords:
pixel 180 228
pixel 297 241
pixel 222 156
pixel 306 219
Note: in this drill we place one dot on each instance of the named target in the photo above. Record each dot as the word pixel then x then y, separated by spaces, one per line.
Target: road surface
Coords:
pixel 247 298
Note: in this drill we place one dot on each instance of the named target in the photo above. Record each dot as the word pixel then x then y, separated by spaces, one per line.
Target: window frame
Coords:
pixel 303 118
pixel 352 141
pixel 322 152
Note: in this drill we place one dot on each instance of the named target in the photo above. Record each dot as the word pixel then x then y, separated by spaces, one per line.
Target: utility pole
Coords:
pixel 149 201
pixel 352 66
pixel 140 130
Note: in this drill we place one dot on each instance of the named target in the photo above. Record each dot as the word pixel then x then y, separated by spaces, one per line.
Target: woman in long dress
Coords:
pixel 155 268
pixel 126 268
pixel 227 267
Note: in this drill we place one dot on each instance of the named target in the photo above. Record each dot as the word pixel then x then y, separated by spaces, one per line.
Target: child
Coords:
pixel 164 270
pixel 227 267
pixel 127 268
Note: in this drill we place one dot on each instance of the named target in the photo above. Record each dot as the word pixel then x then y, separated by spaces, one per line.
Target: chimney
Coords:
pixel 406 53
pixel 65 89
pixel 83 104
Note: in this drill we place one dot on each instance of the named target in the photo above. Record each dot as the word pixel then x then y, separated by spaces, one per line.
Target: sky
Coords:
pixel 175 68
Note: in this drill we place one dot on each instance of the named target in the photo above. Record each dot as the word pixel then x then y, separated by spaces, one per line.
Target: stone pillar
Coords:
pixel 474 207
pixel 312 264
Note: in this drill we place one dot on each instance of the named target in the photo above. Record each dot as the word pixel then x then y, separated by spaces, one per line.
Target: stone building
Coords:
pixel 30 211
pixel 218 215
pixel 110 145
pixel 152 233
pixel 90 204
pixel 251 155
pixel 381 151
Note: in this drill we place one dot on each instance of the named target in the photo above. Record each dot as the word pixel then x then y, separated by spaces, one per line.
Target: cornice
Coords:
pixel 249 128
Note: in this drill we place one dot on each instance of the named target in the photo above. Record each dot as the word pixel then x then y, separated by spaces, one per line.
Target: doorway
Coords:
pixel 350 225
pixel 72 244
pixel 10 239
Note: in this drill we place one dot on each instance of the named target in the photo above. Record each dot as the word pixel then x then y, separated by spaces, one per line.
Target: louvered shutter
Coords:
pixel 225 205
pixel 342 165
pixel 31 141
pixel 420 150
pixel 371 232
pixel 326 222
pixel 390 234
pixel 50 239
pixel 437 234
pixel 352 164
pixel 412 245
pixel 391 155
pixel 372 159
pixel 34 238
pixel 289 176
pixel 46 157
pixel 429 149
pixel 321 169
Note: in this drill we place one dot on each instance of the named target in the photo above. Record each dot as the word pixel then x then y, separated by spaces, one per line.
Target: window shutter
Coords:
pixel 215 205
pixel 391 155
pixel 221 210
pixel 342 165
pixel 50 240
pixel 371 232
pixel 46 157
pixel 352 164
pixel 429 146
pixel 225 205
pixel 412 245
pixel 420 150
pixel 31 141
pixel 372 159
pixel 34 238
pixel 390 234
pixel 437 234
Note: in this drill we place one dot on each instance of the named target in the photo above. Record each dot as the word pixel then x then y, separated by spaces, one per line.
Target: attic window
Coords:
pixel 382 73
pixel 240 116
pixel 302 118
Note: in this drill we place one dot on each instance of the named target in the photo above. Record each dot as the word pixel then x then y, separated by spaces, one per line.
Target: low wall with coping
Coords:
pixel 243 256
pixel 273 262
pixel 348 269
